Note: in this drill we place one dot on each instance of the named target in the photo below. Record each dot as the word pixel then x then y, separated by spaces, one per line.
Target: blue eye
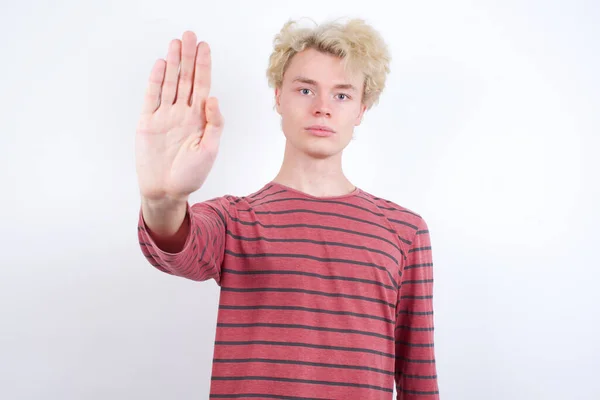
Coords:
pixel 301 90
pixel 343 94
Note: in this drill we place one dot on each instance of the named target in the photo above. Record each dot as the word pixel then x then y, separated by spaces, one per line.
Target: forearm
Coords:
pixel 416 370
pixel 167 223
pixel 189 240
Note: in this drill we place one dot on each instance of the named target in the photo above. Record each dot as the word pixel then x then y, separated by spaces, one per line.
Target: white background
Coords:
pixel 488 127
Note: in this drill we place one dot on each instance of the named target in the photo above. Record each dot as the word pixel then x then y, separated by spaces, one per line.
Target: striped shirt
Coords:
pixel 320 297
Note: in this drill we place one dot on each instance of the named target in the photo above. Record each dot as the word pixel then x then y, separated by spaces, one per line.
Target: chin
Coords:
pixel 321 150
pixel 317 147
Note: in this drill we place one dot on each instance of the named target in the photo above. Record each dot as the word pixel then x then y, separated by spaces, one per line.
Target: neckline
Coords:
pixel 353 193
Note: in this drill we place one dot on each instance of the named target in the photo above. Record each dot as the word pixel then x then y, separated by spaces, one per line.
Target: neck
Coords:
pixel 320 177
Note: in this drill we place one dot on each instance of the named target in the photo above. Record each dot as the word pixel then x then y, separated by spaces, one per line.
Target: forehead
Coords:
pixel 321 67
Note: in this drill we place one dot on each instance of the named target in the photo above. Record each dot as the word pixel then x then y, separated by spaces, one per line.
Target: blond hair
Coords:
pixel 359 46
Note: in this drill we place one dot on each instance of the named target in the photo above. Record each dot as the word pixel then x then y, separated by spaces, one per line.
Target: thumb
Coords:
pixel 214 119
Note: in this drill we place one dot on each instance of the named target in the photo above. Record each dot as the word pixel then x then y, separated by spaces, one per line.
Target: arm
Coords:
pixel 416 376
pixel 196 250
pixel 167 223
pixel 176 143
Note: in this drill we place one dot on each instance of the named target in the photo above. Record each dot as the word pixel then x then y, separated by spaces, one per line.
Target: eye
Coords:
pixel 343 94
pixel 302 91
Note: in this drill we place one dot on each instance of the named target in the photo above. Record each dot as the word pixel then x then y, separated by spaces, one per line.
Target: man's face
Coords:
pixel 317 91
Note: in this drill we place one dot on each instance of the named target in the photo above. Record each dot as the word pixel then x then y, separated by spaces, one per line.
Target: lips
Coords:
pixel 320 130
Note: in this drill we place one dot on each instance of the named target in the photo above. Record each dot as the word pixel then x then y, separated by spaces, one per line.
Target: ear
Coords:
pixel 359 117
pixel 277 100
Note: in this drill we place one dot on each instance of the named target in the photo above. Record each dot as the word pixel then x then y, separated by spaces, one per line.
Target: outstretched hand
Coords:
pixel 180 126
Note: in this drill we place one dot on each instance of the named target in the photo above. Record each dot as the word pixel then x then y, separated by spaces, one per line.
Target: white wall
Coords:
pixel 489 128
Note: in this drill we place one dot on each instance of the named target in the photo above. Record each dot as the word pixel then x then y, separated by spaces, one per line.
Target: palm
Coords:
pixel 179 128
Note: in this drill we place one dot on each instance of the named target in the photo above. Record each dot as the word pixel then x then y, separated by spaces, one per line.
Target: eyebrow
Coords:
pixel 302 79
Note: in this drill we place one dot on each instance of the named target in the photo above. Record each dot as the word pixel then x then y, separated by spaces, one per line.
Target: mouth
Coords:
pixel 320 130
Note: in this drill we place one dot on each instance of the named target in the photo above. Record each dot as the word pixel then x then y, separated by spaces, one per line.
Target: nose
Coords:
pixel 321 107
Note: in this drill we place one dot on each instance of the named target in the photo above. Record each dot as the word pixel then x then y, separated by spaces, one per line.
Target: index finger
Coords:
pixel 202 76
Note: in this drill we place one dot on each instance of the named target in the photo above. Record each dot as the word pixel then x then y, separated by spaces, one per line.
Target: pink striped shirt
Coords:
pixel 321 298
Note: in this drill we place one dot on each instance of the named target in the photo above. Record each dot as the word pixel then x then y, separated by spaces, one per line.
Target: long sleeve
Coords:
pixel 416 375
pixel 203 251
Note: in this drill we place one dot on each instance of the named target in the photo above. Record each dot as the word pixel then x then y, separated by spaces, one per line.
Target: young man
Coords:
pixel 326 290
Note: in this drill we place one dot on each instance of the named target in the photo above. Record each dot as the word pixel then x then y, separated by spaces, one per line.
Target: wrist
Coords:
pixel 164 218
pixel 164 203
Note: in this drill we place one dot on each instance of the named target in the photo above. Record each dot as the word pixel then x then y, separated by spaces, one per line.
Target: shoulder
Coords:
pixel 231 204
pixel 406 221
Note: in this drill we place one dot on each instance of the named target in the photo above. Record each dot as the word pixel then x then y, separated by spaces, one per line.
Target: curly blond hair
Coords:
pixel 359 46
